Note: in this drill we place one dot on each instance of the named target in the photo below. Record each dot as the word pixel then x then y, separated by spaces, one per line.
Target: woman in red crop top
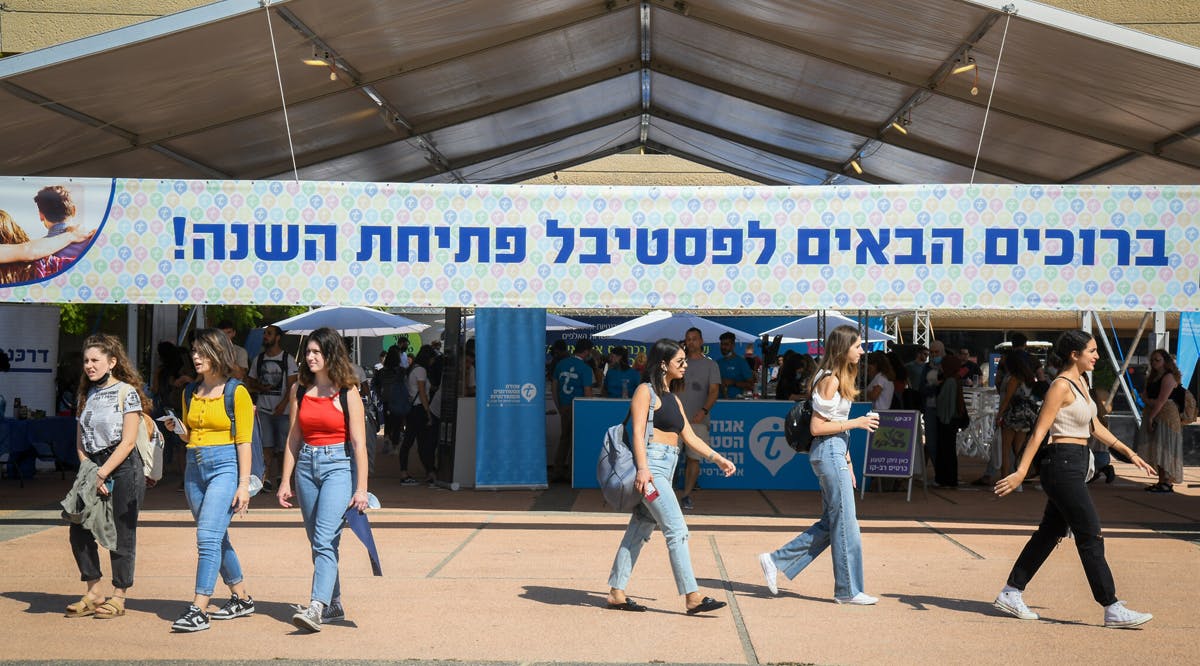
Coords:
pixel 318 448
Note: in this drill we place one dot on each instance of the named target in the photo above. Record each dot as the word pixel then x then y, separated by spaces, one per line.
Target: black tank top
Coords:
pixel 669 417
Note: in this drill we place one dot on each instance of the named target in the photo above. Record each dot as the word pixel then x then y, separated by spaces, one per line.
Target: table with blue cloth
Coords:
pixel 24 441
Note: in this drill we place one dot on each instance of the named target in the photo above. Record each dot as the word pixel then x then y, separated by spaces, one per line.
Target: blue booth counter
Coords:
pixel 23 441
pixel 748 432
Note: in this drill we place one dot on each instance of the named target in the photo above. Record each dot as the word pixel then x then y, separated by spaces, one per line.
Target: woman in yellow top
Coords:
pixel 217 479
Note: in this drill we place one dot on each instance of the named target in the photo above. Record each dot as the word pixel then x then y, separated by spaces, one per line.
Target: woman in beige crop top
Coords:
pixel 1067 420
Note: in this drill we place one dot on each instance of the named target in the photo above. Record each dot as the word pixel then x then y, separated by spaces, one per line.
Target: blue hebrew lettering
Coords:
pixel 869 243
pixel 326 232
pixel 1067 253
pixel 661 238
pixel 991 246
pixel 404 236
pixel 567 234
pixel 1088 237
pixel 1123 243
pixel 483 244
pixel 1158 249
pixel 624 237
pixel 283 246
pixel 697 239
pixel 955 236
pixel 443 237
pixel 768 239
pixel 600 255
pixel 916 243
pixel 241 240
pixel 727 246
pixel 804 240
pixel 216 232
pixel 375 236
pixel 510 245
pixel 1033 239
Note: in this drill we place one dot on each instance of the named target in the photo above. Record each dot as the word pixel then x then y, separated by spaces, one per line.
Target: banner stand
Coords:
pixel 894 450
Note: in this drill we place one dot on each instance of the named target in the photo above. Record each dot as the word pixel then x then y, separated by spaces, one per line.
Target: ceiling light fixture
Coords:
pixel 856 166
pixel 317 60
pixel 898 125
pixel 965 64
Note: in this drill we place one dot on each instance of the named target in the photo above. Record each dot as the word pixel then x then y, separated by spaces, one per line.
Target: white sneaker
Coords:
pixel 860 599
pixel 770 571
pixel 1011 602
pixel 1117 616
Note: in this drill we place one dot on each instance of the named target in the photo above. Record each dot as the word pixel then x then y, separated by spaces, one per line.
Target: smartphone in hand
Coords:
pixel 650 492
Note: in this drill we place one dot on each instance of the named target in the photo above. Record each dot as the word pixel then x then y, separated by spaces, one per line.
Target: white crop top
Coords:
pixel 837 409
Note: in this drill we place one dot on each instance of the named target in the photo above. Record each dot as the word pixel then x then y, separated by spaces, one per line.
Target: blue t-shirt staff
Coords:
pixel 736 375
pixel 572 378
pixel 621 379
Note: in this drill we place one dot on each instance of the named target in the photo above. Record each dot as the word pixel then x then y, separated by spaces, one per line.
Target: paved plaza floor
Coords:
pixel 520 577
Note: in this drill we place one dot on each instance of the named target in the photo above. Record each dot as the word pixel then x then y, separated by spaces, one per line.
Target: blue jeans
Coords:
pixel 838 526
pixel 324 486
pixel 665 514
pixel 210 483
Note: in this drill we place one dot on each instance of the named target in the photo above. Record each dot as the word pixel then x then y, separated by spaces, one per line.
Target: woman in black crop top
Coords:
pixel 656 450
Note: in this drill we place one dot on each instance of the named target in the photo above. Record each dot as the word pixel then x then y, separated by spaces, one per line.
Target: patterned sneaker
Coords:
pixel 193 619
pixel 409 481
pixel 770 571
pixel 334 612
pixel 1011 602
pixel 860 599
pixel 686 503
pixel 1118 616
pixel 308 619
pixel 237 607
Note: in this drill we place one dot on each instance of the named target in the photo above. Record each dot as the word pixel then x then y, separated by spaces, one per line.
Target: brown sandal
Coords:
pixel 82 608
pixel 114 607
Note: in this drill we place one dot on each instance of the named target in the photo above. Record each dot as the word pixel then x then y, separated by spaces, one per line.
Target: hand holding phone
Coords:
pixel 650 492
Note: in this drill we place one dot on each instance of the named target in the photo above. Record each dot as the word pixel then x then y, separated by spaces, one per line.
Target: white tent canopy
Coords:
pixel 482 92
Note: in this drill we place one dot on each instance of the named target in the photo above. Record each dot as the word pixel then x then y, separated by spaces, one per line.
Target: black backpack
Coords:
pixel 797 425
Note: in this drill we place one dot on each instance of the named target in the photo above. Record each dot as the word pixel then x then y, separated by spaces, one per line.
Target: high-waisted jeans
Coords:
pixel 324 485
pixel 664 513
pixel 838 526
pixel 210 484
pixel 1068 505
pixel 129 489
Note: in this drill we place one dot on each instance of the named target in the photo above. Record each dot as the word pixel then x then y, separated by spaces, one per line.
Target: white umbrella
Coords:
pixel 663 324
pixel 351 321
pixel 553 323
pixel 804 329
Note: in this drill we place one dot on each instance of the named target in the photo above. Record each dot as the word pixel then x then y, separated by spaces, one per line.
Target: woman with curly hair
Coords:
pixel 325 430
pixel 110 404
pixel 1161 433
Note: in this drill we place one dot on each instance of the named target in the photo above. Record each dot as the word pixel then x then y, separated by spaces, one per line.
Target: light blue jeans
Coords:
pixel 838 526
pixel 663 513
pixel 324 486
pixel 210 483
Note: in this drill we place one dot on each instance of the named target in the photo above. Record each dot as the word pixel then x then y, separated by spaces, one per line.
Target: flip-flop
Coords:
pixel 629 605
pixel 706 604
pixel 82 608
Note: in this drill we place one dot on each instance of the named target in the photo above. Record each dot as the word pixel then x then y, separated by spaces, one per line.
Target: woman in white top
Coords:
pixel 830 459
pixel 882 386
pixel 1067 420
pixel 110 405
pixel 419 428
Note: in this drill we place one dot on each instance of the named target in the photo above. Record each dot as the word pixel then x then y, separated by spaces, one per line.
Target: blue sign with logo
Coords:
pixel 510 431
pixel 748 432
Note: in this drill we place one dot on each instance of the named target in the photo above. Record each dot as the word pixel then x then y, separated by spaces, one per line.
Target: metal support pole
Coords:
pixel 1137 416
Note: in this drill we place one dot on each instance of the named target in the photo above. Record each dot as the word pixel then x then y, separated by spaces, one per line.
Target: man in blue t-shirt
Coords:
pixel 621 379
pixel 572 379
pixel 735 372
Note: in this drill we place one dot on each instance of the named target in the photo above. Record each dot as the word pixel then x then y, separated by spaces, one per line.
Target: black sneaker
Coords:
pixel 193 619
pixel 334 612
pixel 266 485
pixel 237 607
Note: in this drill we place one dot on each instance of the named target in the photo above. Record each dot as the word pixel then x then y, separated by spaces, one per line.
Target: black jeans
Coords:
pixel 129 489
pixel 1068 505
pixel 421 431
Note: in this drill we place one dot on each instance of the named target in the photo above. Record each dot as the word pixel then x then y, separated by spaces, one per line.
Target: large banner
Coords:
pixel 29 336
pixel 870 247
pixel 510 406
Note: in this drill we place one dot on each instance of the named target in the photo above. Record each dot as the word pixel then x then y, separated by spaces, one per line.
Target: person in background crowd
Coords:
pixel 788 386
pixel 419 426
pixel 621 378
pixel 217 481
pixel 929 386
pixel 572 378
pixel 111 403
pixel 558 351
pixel 915 373
pixel 469 369
pixel 241 360
pixel 701 385
pixel 656 452
pixel 172 374
pixel 1017 413
pixel 272 374
pixel 379 364
pixel 1161 433
pixel 1100 452
pixel 830 460
pixel 882 385
pixel 899 379
pixel 950 407
pixel 639 362
pixel 736 375
pixel 970 373
pixel 1068 416
pixel 384 381
pixel 318 451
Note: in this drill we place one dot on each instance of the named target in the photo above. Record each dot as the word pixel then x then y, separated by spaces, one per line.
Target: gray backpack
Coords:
pixel 616 470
